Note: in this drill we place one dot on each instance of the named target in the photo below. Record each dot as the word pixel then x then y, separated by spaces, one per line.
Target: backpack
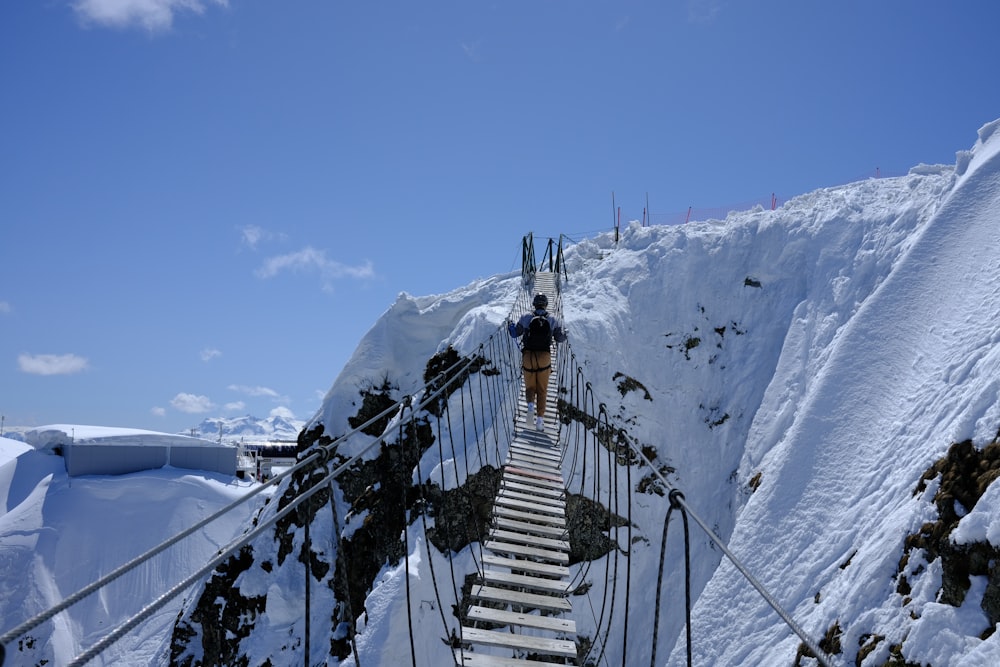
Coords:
pixel 538 337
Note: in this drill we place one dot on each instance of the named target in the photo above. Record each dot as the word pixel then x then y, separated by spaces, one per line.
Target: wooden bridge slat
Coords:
pixel 527 497
pixel 556 647
pixel 536 473
pixel 541 491
pixel 470 659
pixel 526 600
pixel 504 617
pixel 530 540
pixel 551 586
pixel 534 465
pixel 533 528
pixel 522 479
pixel 525 506
pixel 523 565
pixel 538 451
pixel 526 551
pixel 521 515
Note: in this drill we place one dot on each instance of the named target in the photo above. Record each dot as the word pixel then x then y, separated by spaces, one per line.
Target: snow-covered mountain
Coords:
pixel 247 428
pixel 823 379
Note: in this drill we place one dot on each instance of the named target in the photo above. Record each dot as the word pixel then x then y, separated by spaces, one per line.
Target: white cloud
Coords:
pixel 152 15
pixel 252 235
pixel 52 364
pixel 191 403
pixel 236 406
pixel 157 411
pixel 210 353
pixel 253 391
pixel 310 259
pixel 283 412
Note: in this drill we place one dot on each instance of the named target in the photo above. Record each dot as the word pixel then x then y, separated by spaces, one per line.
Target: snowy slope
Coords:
pixel 915 369
pixel 58 534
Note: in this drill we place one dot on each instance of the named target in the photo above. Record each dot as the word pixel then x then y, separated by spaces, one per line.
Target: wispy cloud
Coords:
pixel 210 353
pixel 52 364
pixel 251 236
pixel 236 406
pixel 4 307
pixel 192 403
pixel 622 23
pixel 150 15
pixel 253 391
pixel 157 411
pixel 312 260
pixel 471 50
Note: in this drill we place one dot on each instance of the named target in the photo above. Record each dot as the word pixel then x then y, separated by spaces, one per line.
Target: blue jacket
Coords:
pixel 517 329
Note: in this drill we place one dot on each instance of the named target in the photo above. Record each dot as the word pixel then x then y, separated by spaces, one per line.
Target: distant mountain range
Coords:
pixel 247 428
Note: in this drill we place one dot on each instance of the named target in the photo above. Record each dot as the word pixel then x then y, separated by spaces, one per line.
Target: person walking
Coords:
pixel 537 330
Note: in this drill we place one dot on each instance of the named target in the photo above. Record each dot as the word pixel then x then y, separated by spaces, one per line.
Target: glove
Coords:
pixel 512 330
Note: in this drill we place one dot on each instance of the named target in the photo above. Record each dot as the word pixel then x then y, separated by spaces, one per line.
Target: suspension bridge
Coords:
pixel 519 575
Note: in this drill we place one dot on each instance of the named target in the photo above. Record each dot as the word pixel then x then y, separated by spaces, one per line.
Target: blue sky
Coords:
pixel 204 205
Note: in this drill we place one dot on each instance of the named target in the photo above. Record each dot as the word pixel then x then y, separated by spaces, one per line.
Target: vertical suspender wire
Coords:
pixel 340 565
pixel 628 531
pixel 676 497
pixel 423 518
pixel 579 426
pixel 659 585
pixel 502 389
pixel 465 432
pixel 406 532
pixel 508 397
pixel 454 457
pixel 306 559
pixel 488 398
pixel 602 415
pixel 479 443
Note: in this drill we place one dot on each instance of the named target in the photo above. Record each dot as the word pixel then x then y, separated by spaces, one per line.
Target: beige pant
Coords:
pixel 537 368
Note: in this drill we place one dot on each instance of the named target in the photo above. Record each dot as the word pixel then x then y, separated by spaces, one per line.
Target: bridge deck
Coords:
pixel 524 585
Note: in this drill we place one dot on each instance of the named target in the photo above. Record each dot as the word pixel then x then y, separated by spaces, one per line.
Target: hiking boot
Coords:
pixel 539 424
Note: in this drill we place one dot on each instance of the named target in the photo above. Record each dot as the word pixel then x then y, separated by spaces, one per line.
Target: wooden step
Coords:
pixel 519 599
pixel 538 474
pixel 533 489
pixel 526 581
pixel 504 617
pixel 534 528
pixel 466 658
pixel 549 503
pixel 505 500
pixel 530 540
pixel 560 557
pixel 522 565
pixel 536 450
pixel 542 645
pixel 535 481
pixel 521 514
pixel 534 465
